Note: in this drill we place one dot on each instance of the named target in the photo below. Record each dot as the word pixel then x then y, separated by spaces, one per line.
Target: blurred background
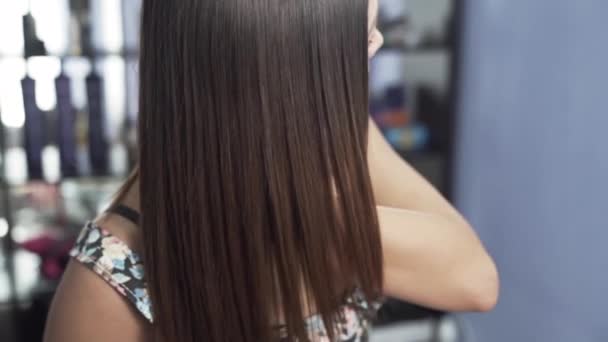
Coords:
pixel 499 103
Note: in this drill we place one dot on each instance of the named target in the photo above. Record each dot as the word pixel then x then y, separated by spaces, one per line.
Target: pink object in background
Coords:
pixel 53 252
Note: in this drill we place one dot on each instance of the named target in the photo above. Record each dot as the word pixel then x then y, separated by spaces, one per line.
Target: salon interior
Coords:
pixel 498 103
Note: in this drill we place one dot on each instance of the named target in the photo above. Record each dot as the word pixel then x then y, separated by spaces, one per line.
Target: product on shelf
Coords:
pixel 34 132
pixel 391 109
pixel 32 44
pixel 408 138
pixel 66 127
pixel 98 146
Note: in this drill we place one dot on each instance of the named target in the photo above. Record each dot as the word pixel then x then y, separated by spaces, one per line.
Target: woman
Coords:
pixel 266 205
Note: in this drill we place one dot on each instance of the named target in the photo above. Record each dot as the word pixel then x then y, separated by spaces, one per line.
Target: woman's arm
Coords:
pixel 432 256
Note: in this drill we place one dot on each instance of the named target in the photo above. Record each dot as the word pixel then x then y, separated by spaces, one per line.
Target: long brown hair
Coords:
pixel 256 200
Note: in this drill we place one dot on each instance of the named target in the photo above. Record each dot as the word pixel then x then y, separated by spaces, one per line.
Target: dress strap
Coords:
pixel 116 263
pixel 126 212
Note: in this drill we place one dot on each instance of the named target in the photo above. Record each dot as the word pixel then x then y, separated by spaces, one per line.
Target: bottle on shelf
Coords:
pixel 66 126
pixel 34 117
pixel 98 145
pixel 32 44
pixel 34 131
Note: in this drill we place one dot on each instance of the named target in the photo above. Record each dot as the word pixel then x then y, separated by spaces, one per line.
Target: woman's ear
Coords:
pixel 374 43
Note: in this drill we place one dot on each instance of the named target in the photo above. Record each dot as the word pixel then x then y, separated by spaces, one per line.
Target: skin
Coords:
pixel 375 38
pixel 432 256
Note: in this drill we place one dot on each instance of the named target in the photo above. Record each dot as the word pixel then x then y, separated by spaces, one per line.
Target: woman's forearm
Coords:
pixel 436 261
pixel 432 256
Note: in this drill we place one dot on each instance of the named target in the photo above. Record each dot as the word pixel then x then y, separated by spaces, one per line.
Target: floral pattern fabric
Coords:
pixel 120 267
pixel 116 263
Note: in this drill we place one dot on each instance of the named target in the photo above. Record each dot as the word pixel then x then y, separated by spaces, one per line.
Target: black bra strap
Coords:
pixel 126 212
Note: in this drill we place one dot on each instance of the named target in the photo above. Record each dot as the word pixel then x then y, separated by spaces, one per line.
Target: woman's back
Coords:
pixel 122 268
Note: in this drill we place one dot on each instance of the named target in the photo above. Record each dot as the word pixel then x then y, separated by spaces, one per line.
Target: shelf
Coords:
pixel 78 181
pixel 429 164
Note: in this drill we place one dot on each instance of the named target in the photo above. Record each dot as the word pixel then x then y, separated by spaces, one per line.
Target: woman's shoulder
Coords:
pixel 102 295
pixel 110 248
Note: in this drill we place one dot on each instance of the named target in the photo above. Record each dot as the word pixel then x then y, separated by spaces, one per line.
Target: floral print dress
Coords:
pixel 122 268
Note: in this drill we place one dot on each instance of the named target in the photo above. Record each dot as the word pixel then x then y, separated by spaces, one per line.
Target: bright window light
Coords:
pixel 112 70
pixel 118 160
pixel 27 265
pixel 107 25
pixel 16 166
pixel 51 164
pixel 52 24
pixel 77 69
pixel 44 70
pixel 3 227
pixel 132 91
pixel 11 27
pixel 11 95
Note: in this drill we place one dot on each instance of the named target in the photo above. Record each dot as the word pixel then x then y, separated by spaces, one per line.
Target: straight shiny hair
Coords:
pixel 256 203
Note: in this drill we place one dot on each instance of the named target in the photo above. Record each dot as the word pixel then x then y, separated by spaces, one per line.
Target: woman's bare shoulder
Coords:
pixel 87 308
